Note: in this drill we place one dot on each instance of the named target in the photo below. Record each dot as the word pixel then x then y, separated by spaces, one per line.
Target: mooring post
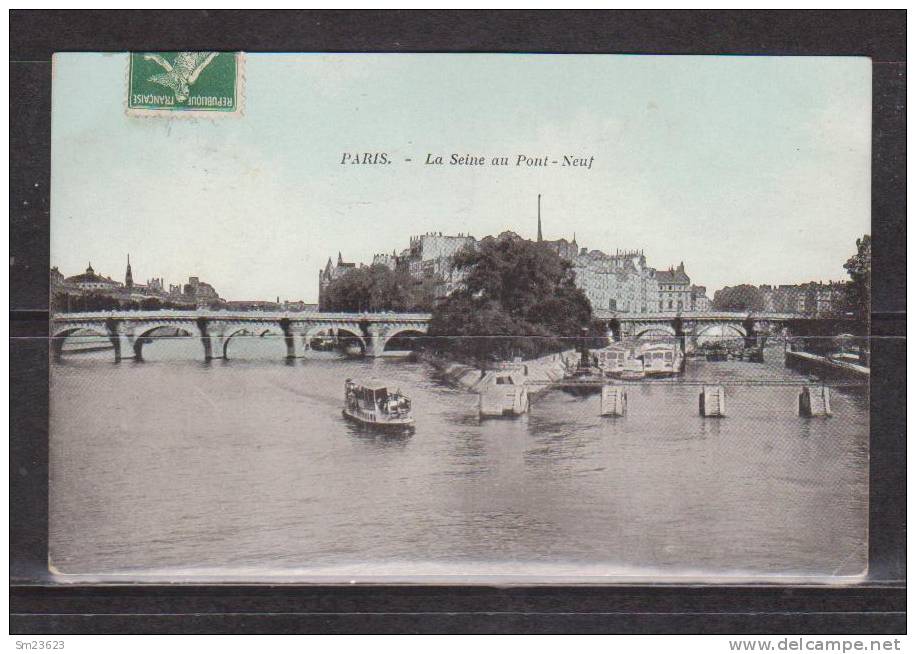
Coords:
pixel 814 401
pixel 712 402
pixel 613 401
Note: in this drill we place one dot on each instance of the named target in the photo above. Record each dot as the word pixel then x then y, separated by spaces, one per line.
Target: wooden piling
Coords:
pixel 712 402
pixel 814 401
pixel 613 401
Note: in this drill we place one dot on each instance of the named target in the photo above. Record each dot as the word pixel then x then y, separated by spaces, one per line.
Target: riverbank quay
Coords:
pixel 823 366
pixel 537 373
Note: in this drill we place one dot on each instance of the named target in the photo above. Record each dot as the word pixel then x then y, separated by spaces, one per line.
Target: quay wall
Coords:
pixel 548 368
pixel 813 363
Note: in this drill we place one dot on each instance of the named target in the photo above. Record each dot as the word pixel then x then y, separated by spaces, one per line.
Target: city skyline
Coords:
pixel 751 170
pixel 141 280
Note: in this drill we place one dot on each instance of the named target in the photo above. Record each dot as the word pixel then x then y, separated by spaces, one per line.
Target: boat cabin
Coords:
pixel 374 397
pixel 661 359
pixel 611 358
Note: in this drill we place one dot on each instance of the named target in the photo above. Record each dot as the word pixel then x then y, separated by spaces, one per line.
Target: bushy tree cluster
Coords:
pixel 518 299
pixel 378 288
pixel 858 289
pixel 73 303
pixel 743 297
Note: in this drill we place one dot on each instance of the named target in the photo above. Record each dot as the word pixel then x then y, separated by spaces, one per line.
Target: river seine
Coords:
pixel 246 470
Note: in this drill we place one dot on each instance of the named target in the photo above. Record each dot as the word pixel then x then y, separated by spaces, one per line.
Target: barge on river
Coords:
pixel 371 404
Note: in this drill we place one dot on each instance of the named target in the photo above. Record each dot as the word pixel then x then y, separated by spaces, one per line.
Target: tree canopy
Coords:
pixel 517 298
pixel 743 297
pixel 858 290
pixel 378 288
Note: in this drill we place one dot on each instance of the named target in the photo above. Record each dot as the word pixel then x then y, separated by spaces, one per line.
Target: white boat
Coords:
pixel 613 358
pixel 370 404
pixel 620 361
pixel 503 395
pixel 661 359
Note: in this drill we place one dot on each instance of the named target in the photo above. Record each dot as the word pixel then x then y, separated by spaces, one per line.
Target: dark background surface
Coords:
pixel 877 606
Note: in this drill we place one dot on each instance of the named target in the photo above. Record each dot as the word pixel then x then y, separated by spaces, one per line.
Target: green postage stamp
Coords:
pixel 184 82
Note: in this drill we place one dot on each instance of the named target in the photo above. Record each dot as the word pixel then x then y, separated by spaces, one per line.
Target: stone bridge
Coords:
pixel 693 326
pixel 129 331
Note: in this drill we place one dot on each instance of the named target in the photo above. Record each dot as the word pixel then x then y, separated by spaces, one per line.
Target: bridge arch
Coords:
pixel 145 337
pixel 398 338
pixel 346 333
pixel 59 337
pixel 256 331
pixel 660 330
pixel 347 337
pixel 719 331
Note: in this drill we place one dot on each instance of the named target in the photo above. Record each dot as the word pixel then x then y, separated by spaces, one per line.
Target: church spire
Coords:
pixel 128 277
pixel 540 235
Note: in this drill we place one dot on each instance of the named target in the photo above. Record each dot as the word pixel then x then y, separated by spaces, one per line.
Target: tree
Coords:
pixel 518 298
pixel 378 288
pixel 151 304
pixel 743 297
pixel 858 289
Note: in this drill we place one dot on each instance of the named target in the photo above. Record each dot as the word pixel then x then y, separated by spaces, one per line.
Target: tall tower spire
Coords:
pixel 128 277
pixel 540 235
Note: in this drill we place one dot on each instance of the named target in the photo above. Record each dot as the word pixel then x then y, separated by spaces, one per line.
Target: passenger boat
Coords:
pixel 503 395
pixel 612 359
pixel 620 361
pixel 661 359
pixel 370 404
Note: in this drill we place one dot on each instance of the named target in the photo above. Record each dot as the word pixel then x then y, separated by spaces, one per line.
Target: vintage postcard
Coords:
pixel 459 317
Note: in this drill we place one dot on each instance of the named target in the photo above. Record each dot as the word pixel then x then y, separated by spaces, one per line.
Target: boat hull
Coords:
pixel 386 424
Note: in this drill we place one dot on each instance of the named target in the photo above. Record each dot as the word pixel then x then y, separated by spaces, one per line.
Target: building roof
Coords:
pixel 90 276
pixel 672 277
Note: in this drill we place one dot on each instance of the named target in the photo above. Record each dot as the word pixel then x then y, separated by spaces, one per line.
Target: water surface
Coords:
pixel 246 469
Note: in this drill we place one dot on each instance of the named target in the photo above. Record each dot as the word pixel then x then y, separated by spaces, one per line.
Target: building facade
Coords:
pixel 811 299
pixel 620 282
pixel 674 290
pixel 330 272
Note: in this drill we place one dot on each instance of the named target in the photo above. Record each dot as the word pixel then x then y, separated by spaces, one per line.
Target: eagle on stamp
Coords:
pixel 181 74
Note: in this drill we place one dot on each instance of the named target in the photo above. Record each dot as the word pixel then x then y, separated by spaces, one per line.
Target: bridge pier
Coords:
pixel 205 339
pixel 111 327
pixel 375 342
pixel 288 338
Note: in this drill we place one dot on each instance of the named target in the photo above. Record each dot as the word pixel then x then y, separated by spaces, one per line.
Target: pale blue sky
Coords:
pixel 749 169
